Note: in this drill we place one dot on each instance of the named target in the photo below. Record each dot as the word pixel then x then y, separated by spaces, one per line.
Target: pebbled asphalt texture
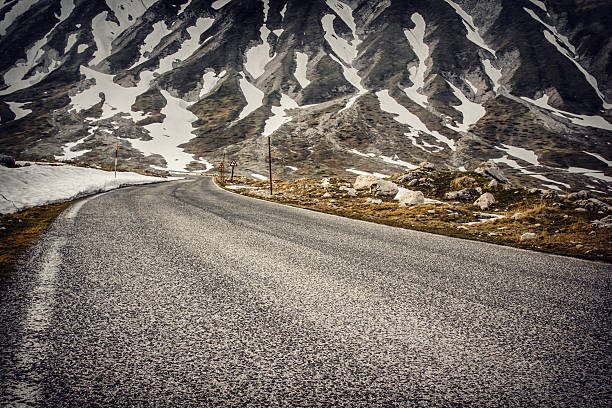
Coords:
pixel 182 294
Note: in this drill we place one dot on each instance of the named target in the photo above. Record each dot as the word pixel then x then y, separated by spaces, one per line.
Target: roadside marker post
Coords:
pixel 221 166
pixel 233 163
pixel 270 163
pixel 116 151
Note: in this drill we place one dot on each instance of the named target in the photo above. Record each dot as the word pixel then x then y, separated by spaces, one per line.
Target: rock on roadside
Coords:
pixel 409 197
pixel 384 188
pixel 363 182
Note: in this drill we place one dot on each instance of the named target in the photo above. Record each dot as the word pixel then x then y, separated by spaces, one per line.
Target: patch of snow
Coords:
pixel 580 120
pixel 524 154
pixel 167 136
pixel 258 176
pixel 105 31
pixel 358 153
pixel 188 47
pixel 540 4
pixel 397 162
pixel 253 96
pixel 471 85
pixel 404 116
pixel 283 11
pixel 365 173
pixel 472 30
pixel 590 173
pixel 118 98
pixel 82 47
pixel 551 187
pixel 278 119
pixel 416 37
pixel 342 48
pixel 569 51
pixel 608 162
pixel 345 12
pixel 219 4
pixel 72 39
pixel 493 73
pixel 513 164
pixel 160 30
pixel 15 77
pixel 241 187
pixel 278 32
pixel 352 76
pixel 19 8
pixel 69 154
pixel 292 168
pixel 17 108
pixel 184 7
pixel 257 57
pixel 209 81
pixel 462 169
pixel 300 70
pixel 471 111
pixel 36 185
pixel 266 9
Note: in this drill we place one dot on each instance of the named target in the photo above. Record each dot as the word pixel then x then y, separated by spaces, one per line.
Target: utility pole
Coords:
pixel 270 163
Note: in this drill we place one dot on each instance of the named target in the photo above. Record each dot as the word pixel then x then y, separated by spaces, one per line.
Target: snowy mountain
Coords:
pixel 341 87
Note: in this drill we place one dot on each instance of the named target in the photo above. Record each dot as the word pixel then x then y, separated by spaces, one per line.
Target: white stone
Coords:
pixel 485 201
pixel 528 236
pixel 364 181
pixel 384 188
pixel 410 197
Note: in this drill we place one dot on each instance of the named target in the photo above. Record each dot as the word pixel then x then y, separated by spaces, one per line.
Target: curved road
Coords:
pixel 181 294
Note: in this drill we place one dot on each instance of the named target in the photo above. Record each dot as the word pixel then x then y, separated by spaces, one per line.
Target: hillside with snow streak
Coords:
pixel 180 84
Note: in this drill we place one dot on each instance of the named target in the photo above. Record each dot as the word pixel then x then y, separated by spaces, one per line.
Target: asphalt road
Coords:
pixel 181 294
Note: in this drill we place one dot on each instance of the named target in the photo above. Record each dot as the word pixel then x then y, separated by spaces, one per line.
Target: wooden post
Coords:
pixel 116 150
pixel 270 163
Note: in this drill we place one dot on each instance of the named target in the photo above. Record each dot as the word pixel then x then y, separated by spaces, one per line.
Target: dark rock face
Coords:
pixel 527 84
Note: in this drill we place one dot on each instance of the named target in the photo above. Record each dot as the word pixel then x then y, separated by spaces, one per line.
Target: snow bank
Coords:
pixel 416 38
pixel 580 120
pixel 38 184
pixel 472 31
pixel 404 116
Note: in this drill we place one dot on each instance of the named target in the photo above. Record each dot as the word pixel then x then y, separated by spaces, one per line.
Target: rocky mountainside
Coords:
pixel 360 86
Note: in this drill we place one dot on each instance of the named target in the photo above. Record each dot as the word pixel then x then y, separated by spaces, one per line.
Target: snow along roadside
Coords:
pixel 37 184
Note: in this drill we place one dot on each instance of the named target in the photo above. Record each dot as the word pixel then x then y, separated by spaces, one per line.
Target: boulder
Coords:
pixel 493 184
pixel 409 197
pixel 364 182
pixel 465 194
pixel 581 195
pixel 427 165
pixel 327 195
pixel 413 175
pixel 374 200
pixel 593 204
pixel 490 169
pixel 6 161
pixel 518 216
pixel 528 236
pixel 485 201
pixel 605 222
pixel 384 188
pixel 550 194
pixel 351 192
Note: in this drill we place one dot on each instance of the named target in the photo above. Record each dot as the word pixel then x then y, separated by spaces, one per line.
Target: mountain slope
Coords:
pixel 363 85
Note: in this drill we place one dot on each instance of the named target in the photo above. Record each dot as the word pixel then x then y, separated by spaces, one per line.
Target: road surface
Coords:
pixel 181 294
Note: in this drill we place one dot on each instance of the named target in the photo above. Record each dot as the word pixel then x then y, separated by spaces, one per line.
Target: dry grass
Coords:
pixel 19 231
pixel 562 230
